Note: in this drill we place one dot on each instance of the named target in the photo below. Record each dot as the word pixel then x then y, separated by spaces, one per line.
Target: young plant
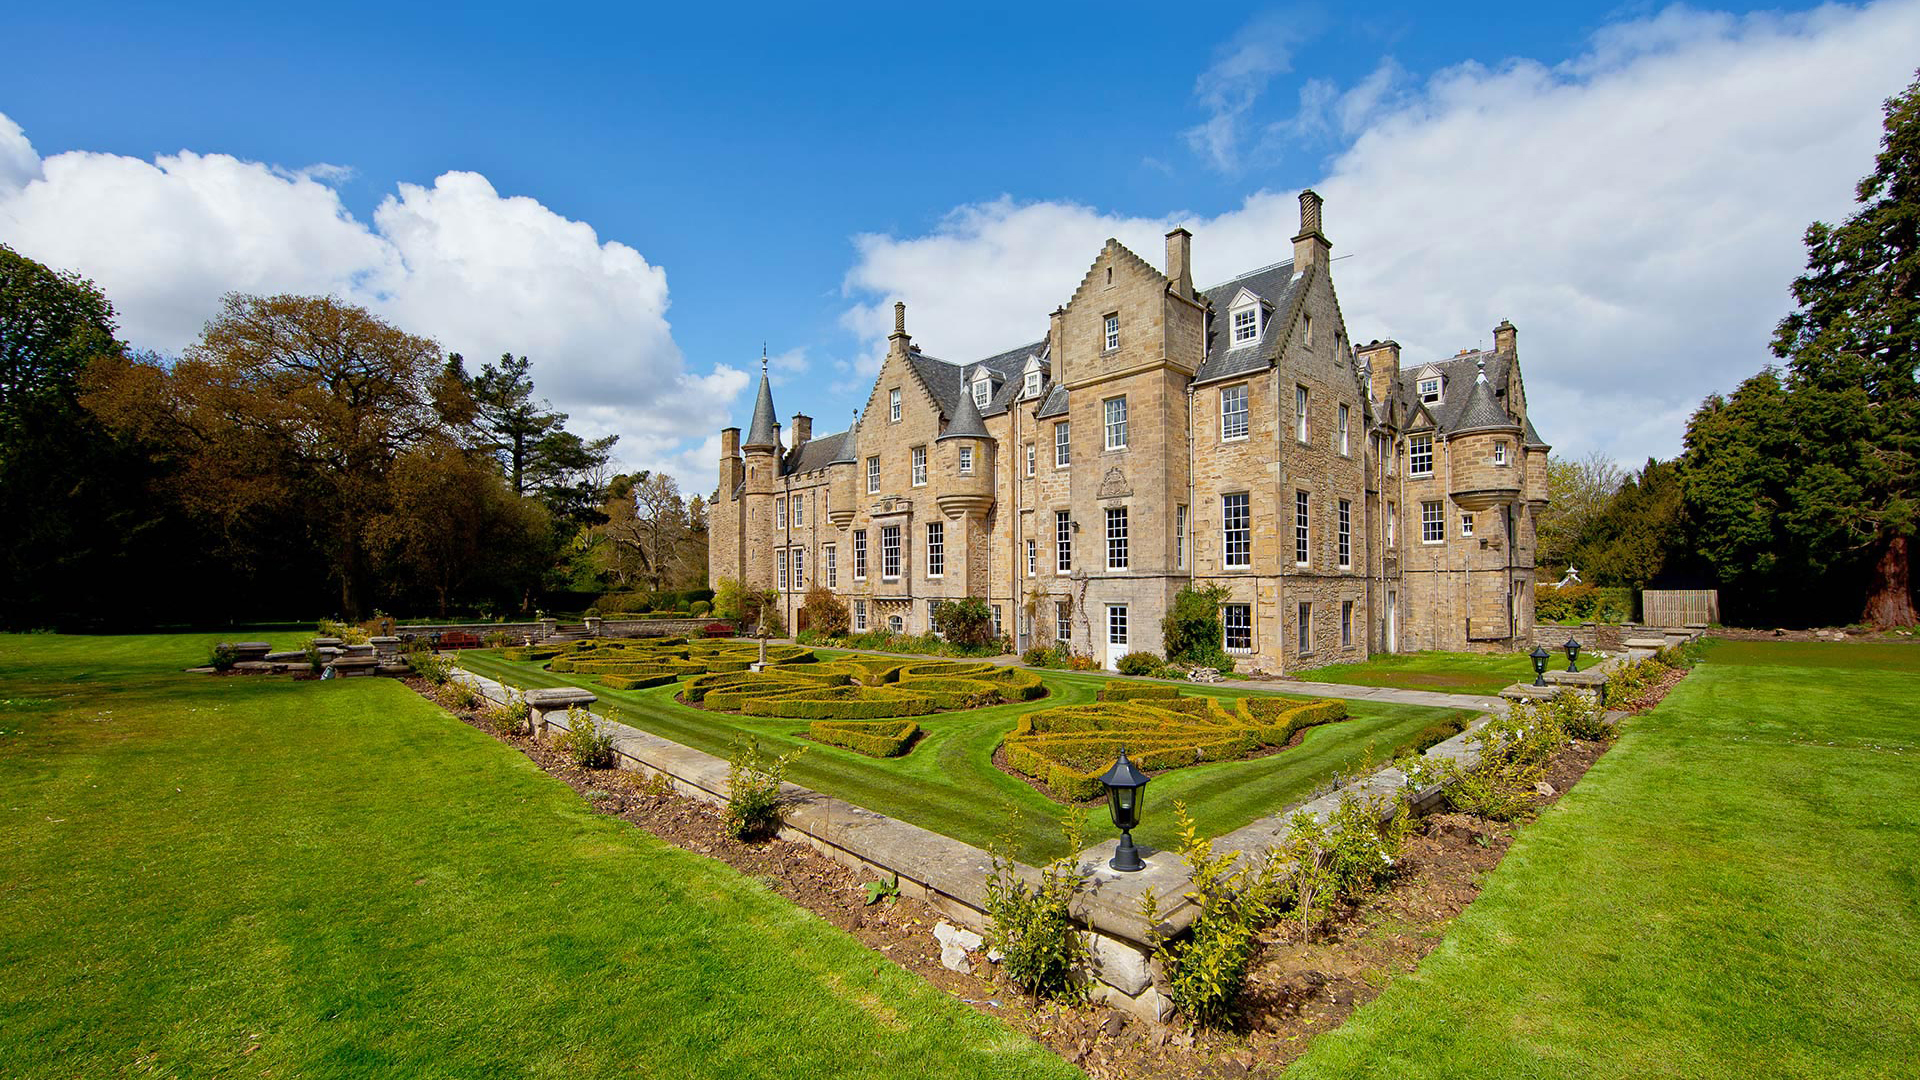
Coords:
pixel 884 889
pixel 432 667
pixel 223 657
pixel 587 740
pixel 753 788
pixel 1236 896
pixel 1033 925
pixel 513 718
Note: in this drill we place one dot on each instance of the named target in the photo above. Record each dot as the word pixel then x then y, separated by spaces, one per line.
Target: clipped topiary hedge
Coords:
pixel 1068 748
pixel 887 738
pixel 636 682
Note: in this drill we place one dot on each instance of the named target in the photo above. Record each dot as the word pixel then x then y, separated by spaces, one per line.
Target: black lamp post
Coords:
pixel 1125 785
pixel 1573 653
pixel 1539 655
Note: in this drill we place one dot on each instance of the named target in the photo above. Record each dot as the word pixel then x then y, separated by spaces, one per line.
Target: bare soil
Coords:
pixel 1297 987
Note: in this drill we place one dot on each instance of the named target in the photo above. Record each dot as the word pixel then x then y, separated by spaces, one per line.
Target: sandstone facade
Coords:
pixel 1158 436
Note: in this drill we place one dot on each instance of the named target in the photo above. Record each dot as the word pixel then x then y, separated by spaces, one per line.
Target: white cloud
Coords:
pixel 1242 67
pixel 1637 212
pixel 480 272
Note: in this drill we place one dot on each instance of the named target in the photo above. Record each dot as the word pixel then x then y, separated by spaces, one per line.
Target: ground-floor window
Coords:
pixel 1238 619
pixel 780 564
pixel 860 615
pixel 896 624
pixel 833 568
pixel 1346 623
pixel 1063 622
pixel 1116 624
pixel 933 626
pixel 1306 629
pixel 997 631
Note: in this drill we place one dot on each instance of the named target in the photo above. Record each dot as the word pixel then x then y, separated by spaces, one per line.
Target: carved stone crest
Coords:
pixel 1114 485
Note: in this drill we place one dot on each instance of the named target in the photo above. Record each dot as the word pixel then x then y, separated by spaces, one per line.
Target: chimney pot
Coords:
pixel 899 316
pixel 1310 248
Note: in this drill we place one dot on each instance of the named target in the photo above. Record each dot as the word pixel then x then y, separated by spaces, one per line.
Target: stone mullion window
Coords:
pixel 1116 538
pixel 1302 547
pixel 1346 535
pixel 860 555
pixel 1420 455
pixel 1237 620
pixel 1237 527
pixel 831 559
pixel 889 552
pixel 1062 445
pixel 1062 542
pixel 936 549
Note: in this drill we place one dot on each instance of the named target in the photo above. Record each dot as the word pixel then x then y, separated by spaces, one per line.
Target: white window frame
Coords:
pixel 780 512
pixel 1346 442
pixel 1062 542
pixel 1236 530
pixel 919 476
pixel 1031 387
pixel 1114 412
pixel 982 393
pixel 1111 337
pixel 1500 453
pixel 1419 446
pixel 1117 551
pixel 1433 522
pixel 936 549
pixel 1033 557
pixel 1300 429
pixel 1032 456
pixel 799 569
pixel 1306 329
pixel 893 405
pixel 1062 621
pixel 799 511
pixel 1244 625
pixel 1303 632
pixel 859 554
pixel 1234 424
pixel 780 571
pixel 1393 515
pixel 890 552
pixel 830 558
pixel 1302 529
pixel 873 475
pixel 860 616
pixel 1062 445
pixel 1180 537
pixel 1466 525
pixel 1345 513
pixel 1429 390
pixel 997 630
pixel 1117 628
pixel 1245 321
pixel 966 461
pixel 896 624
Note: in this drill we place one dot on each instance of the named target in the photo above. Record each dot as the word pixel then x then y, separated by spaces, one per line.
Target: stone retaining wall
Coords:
pixel 952 875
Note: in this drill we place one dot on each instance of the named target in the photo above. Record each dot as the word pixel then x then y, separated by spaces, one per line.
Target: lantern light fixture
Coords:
pixel 1125 785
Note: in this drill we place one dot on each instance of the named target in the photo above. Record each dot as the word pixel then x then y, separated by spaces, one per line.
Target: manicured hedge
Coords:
pixel 1068 748
pixel 1120 691
pixel 636 682
pixel 887 738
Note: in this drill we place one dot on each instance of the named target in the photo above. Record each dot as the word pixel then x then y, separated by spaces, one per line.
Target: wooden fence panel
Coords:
pixel 1679 607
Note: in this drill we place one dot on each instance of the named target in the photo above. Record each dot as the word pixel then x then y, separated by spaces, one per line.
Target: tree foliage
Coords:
pixel 1578 492
pixel 530 440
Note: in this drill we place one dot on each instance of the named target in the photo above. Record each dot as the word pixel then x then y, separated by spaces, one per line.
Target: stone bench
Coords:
pixel 557 699
pixel 355 665
pixel 1640 648
pixel 250 650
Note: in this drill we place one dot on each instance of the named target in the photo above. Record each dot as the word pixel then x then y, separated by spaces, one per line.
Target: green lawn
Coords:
pixel 1443 672
pixel 1731 892
pixel 950 785
pixel 256 876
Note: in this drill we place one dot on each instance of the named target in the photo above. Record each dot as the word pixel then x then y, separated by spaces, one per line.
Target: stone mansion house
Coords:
pixel 1161 435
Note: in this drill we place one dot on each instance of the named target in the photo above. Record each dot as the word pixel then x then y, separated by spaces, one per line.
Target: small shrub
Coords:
pixel 348 633
pixel 966 623
pixel 513 718
pixel 1579 717
pixel 1032 926
pixel 753 788
pixel 1081 662
pixel 699 608
pixel 1207 968
pixel 825 614
pixel 1039 656
pixel 315 661
pixel 461 696
pixel 223 657
pixel 1191 630
pixel 432 667
pixel 587 740
pixel 1138 663
pixel 496 639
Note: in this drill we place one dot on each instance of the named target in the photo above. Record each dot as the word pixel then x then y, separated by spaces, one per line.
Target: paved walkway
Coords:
pixel 1430 698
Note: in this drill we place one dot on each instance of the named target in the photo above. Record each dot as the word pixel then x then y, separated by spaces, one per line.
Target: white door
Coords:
pixel 1116 635
pixel 1393 611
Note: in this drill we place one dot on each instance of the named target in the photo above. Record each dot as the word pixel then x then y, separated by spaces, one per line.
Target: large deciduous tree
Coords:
pixel 452 524
pixel 1578 492
pixel 1853 352
pixel 647 529
pixel 289 411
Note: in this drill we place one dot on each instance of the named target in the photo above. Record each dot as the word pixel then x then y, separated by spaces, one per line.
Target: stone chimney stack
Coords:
pixel 1382 358
pixel 1505 338
pixel 898 341
pixel 1310 248
pixel 1180 261
pixel 802 429
pixel 729 461
pixel 1056 340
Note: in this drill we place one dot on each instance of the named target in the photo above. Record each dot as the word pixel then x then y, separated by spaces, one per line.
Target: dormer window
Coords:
pixel 1246 325
pixel 1430 390
pixel 1032 387
pixel 982 392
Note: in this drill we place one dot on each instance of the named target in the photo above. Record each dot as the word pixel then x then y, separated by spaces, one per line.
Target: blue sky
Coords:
pixel 779 175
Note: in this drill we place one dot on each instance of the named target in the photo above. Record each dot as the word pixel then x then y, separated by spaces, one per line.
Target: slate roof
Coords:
pixel 1530 437
pixel 765 420
pixel 1054 403
pixel 1275 285
pixel 817 453
pixel 1459 407
pixel 946 380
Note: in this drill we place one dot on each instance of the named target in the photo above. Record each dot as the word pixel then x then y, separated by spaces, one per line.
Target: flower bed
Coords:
pixel 1068 748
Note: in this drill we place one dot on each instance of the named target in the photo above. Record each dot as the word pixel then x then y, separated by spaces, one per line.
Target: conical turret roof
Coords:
pixel 966 422
pixel 763 433
pixel 1482 412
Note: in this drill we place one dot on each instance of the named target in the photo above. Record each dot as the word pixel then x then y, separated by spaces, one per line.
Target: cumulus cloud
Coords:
pixel 1637 212
pixel 1229 87
pixel 480 272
